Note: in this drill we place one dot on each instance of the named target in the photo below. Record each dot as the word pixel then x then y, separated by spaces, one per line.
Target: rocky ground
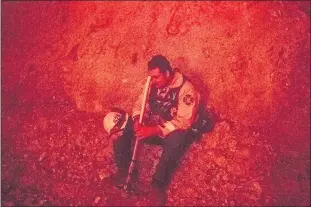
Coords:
pixel 64 64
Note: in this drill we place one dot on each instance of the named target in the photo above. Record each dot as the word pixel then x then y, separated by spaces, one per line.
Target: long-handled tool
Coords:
pixel 133 161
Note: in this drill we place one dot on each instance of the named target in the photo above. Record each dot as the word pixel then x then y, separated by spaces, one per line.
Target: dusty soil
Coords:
pixel 64 64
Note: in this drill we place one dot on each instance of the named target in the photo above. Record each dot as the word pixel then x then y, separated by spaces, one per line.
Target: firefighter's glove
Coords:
pixel 137 126
pixel 147 131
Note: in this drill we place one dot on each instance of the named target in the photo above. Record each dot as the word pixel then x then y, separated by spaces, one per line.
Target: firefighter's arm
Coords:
pixel 188 103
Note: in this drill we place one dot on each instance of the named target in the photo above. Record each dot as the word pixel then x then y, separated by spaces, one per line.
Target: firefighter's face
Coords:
pixel 158 79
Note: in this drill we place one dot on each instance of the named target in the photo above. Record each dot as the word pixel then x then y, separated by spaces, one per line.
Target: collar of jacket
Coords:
pixel 177 80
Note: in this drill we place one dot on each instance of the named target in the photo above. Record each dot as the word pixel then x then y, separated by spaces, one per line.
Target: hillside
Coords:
pixel 65 64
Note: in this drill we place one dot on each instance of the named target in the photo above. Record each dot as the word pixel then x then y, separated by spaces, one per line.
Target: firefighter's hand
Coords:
pixel 137 126
pixel 147 131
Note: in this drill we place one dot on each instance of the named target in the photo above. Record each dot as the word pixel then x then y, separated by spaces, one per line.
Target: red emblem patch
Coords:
pixel 188 99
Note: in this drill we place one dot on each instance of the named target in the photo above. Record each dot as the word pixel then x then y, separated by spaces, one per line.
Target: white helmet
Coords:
pixel 115 120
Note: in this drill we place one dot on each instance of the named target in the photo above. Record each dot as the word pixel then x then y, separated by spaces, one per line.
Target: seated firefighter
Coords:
pixel 170 112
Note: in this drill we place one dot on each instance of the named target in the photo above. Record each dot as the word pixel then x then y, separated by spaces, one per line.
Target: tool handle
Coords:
pixel 143 105
pixel 142 111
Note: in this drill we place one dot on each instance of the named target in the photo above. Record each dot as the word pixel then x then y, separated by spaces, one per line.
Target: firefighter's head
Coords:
pixel 160 70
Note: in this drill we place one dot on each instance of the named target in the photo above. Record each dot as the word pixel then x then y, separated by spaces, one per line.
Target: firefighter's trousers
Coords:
pixel 174 147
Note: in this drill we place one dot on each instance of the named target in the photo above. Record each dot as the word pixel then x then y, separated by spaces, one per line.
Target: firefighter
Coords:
pixel 171 109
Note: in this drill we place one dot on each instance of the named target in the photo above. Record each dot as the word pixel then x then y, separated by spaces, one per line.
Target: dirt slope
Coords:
pixel 64 64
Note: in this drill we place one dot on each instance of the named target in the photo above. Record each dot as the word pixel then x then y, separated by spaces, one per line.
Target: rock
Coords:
pixel 221 161
pixel 41 202
pixel 42 156
pixel 256 186
pixel 96 199
pixel 103 174
pixel 225 177
pixel 244 152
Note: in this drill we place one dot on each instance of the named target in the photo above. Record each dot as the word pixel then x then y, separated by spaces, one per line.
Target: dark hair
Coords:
pixel 159 61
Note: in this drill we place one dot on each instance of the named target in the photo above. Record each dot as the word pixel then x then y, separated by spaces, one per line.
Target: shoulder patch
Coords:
pixel 188 99
pixel 173 111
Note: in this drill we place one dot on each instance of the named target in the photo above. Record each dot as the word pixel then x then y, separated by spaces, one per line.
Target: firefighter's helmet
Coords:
pixel 115 121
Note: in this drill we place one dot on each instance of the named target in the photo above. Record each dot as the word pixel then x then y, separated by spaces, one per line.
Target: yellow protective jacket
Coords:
pixel 170 108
